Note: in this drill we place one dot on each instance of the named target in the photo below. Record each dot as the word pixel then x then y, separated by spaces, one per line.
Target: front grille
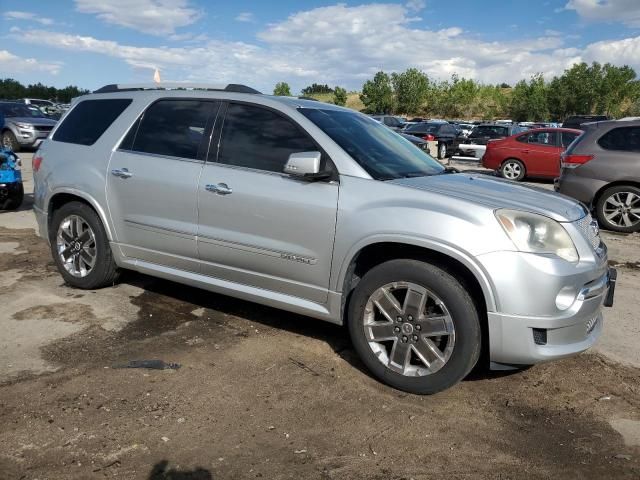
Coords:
pixel 540 336
pixel 42 128
pixel 589 228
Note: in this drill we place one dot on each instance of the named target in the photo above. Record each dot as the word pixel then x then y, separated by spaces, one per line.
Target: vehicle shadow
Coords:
pixel 336 336
pixel 160 472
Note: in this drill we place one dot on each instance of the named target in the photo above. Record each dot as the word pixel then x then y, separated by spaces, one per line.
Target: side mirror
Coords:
pixel 306 166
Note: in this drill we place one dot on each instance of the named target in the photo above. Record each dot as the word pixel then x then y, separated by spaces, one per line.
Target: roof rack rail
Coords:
pixel 232 87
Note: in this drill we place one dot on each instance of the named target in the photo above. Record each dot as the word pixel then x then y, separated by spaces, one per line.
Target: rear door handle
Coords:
pixel 220 188
pixel 121 172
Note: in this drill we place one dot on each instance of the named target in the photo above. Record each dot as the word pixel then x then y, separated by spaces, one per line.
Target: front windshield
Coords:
pixel 384 154
pixel 19 110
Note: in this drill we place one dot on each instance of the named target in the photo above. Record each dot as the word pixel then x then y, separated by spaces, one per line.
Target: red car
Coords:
pixel 534 153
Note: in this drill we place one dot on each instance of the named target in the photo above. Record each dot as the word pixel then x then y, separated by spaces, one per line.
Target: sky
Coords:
pixel 90 43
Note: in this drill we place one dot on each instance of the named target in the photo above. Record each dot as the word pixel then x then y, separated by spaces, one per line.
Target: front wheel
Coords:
pixel 9 141
pixel 513 170
pixel 618 209
pixel 414 326
pixel 80 247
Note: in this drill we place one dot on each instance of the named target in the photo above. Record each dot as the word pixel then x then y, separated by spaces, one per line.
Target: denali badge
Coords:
pixel 297 258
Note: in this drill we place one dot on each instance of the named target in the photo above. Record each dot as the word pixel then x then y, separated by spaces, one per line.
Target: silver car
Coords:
pixel 323 211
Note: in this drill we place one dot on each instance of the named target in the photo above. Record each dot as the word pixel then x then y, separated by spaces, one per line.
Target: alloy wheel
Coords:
pixel 511 170
pixel 76 246
pixel 409 329
pixel 622 209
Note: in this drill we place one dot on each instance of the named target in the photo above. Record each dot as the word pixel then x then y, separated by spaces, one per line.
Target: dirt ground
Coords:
pixel 262 393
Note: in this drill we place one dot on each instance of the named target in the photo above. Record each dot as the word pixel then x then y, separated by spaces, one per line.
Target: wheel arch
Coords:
pixel 374 251
pixel 617 183
pixel 65 195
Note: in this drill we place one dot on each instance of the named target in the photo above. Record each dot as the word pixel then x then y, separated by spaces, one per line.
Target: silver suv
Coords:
pixel 323 211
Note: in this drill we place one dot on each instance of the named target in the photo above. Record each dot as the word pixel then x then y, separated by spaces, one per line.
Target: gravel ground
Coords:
pixel 263 393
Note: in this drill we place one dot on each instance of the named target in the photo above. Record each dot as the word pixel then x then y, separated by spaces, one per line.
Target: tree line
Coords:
pixel 11 89
pixel 581 89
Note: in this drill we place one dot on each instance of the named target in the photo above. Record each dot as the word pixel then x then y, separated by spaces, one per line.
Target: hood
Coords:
pixel 32 120
pixel 499 193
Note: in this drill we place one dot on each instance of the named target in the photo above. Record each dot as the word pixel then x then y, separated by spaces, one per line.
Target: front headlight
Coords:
pixel 26 126
pixel 535 233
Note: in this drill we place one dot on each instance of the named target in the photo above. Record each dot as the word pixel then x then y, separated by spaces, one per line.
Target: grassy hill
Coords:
pixel 353 99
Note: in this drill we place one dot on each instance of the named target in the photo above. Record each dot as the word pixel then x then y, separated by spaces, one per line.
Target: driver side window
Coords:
pixel 258 138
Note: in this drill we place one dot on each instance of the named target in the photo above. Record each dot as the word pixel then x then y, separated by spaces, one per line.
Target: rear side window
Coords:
pixel 626 139
pixel 543 138
pixel 173 128
pixel 258 138
pixel 86 123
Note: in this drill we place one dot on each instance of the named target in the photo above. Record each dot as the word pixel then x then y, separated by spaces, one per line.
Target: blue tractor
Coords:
pixel 11 189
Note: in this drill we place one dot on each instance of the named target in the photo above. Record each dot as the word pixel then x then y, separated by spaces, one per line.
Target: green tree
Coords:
pixel 529 100
pixel 340 96
pixel 282 89
pixel 377 94
pixel 316 88
pixel 12 89
pixel 411 90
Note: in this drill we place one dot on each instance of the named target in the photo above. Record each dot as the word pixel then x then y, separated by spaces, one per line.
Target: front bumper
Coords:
pixel 531 324
pixel 30 138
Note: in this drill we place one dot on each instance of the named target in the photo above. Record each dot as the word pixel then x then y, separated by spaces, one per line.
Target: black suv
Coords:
pixel 444 133
pixel 577 120
pixel 484 132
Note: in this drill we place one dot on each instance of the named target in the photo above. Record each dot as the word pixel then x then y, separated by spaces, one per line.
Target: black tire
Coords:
pixel 15 199
pixel 9 141
pixel 615 224
pixel 508 167
pixel 105 271
pixel 442 151
pixel 460 305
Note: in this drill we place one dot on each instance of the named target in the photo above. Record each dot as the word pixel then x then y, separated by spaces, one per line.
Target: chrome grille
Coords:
pixel 589 228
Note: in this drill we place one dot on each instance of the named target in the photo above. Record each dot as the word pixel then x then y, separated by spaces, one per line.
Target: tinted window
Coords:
pixel 9 109
pixel 543 138
pixel 89 119
pixel 258 138
pixel 170 127
pixel 490 131
pixel 567 138
pixel 623 138
pixel 424 127
pixel 382 153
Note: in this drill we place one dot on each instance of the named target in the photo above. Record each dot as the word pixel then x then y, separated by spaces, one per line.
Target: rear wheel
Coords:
pixel 80 247
pixel 9 141
pixel 442 151
pixel 618 209
pixel 513 169
pixel 414 326
pixel 15 198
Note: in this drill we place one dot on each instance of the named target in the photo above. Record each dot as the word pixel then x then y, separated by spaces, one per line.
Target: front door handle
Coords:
pixel 220 188
pixel 121 172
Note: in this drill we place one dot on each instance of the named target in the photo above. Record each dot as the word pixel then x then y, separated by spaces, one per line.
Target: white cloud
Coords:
pixel 245 17
pixel 415 5
pixel 32 17
pixel 156 17
pixel 342 45
pixel 625 11
pixel 12 64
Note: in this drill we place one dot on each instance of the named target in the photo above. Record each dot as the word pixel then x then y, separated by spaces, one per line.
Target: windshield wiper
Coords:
pixel 448 170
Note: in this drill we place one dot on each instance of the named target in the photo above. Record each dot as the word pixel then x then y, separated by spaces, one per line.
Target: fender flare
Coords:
pixel 449 250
